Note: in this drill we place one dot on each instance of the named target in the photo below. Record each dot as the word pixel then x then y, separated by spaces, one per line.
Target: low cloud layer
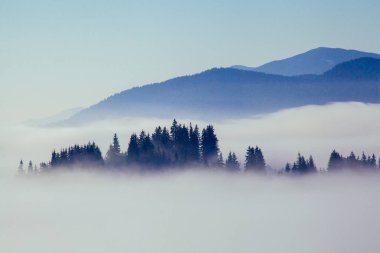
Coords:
pixel 193 211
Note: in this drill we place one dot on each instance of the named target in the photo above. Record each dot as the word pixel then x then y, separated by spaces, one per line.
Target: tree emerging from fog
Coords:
pixel 177 146
pixel 182 146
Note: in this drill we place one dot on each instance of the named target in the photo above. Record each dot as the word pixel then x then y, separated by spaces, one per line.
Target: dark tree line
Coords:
pixel 301 165
pixel 183 146
pixel 86 155
pixel 178 146
pixel 338 162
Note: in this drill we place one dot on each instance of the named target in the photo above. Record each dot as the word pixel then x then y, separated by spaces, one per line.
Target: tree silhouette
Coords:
pixel 21 167
pixel 335 161
pixel 114 158
pixel 194 144
pixel 302 165
pixel 209 146
pixel 232 162
pixel 288 168
pixel 254 159
pixel 30 167
pixel 133 152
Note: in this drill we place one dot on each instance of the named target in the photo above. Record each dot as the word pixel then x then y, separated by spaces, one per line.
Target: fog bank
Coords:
pixel 193 211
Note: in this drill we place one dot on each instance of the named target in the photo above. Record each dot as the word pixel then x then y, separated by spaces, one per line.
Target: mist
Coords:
pixel 192 211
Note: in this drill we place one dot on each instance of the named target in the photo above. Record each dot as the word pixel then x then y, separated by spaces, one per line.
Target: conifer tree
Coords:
pixel 30 167
pixel 133 152
pixel 209 146
pixel 335 161
pixel 372 162
pixel 21 167
pixel 311 165
pixel 254 159
pixel 194 144
pixel 114 156
pixel 287 168
pixel 232 163
pixel 173 129
pixel 220 162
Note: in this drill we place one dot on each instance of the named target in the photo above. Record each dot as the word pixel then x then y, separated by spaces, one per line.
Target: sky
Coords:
pixel 57 55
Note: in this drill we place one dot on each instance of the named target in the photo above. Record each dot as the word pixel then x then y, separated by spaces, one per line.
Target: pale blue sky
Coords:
pixel 56 55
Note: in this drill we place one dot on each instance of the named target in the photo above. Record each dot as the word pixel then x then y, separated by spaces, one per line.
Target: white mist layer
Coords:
pixel 311 130
pixel 190 212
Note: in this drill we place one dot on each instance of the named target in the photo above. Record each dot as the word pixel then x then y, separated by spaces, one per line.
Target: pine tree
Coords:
pixel 133 152
pixel 335 161
pixel 300 165
pixel 250 159
pixel 287 168
pixel 254 159
pixel 146 150
pixel 30 167
pixel 310 165
pixel 173 129
pixel 194 144
pixel 260 162
pixel 114 157
pixel 209 146
pixel 351 161
pixel 220 162
pixel 232 163
pixel 21 167
pixel 116 145
pixel 372 162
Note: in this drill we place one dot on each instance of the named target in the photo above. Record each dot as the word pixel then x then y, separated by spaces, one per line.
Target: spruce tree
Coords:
pixel 335 161
pixel 232 163
pixel 114 156
pixel 220 162
pixel 311 165
pixel 194 144
pixel 133 152
pixel 209 146
pixel 254 159
pixel 21 167
pixel 30 167
pixel 287 168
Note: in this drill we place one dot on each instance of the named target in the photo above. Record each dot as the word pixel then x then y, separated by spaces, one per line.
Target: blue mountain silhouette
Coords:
pixel 315 61
pixel 227 92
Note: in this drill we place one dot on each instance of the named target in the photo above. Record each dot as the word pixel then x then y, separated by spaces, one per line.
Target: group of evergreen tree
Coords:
pixel 175 147
pixel 31 169
pixel 338 162
pixel 301 165
pixel 183 146
pixel 254 159
pixel 179 146
pixel 86 155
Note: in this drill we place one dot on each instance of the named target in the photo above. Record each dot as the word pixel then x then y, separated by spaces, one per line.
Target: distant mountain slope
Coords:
pixel 315 61
pixel 54 118
pixel 226 92
pixel 358 69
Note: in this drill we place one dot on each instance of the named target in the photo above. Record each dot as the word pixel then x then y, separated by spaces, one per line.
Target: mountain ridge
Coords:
pixel 229 93
pixel 314 61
